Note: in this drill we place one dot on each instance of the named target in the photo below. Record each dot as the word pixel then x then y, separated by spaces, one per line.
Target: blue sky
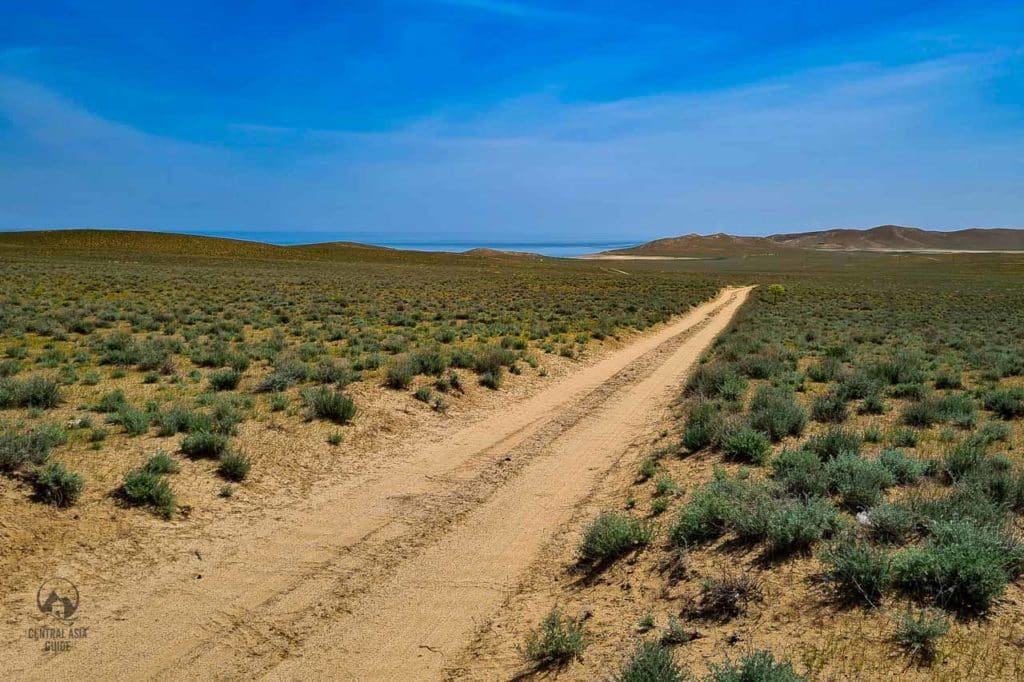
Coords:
pixel 507 121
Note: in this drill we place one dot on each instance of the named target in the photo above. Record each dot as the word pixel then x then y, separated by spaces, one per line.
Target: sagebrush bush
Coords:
pixel 134 421
pixel 160 463
pixel 892 523
pixel 204 444
pixel 824 370
pixel 143 488
pixel 330 404
pixel 400 373
pixel 611 535
pixel 33 392
pixel 796 525
pixel 713 381
pixel 705 516
pixel 557 642
pixel 759 666
pixel 1006 403
pixel 226 379
pixel 18 448
pixel 858 571
pixel 859 482
pixel 965 458
pixel 54 484
pixel 904 469
pixel 742 443
pixel 833 443
pixel 775 411
pixel 234 465
pixel 651 662
pixel 829 408
pixel 703 426
pixel 919 634
pixel 962 566
pixel 801 473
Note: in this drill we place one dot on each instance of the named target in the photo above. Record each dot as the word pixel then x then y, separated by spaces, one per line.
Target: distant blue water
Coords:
pixel 552 248
pixel 558 249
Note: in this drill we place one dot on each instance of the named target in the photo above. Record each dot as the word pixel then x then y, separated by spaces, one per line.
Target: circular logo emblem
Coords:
pixel 58 597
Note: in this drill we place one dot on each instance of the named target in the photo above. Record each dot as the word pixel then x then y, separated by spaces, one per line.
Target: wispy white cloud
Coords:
pixel 862 143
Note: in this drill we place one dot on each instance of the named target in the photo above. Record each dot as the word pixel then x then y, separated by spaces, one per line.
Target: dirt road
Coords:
pixel 383 575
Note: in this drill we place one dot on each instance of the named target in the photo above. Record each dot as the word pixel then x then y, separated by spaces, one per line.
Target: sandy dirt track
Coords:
pixel 386 574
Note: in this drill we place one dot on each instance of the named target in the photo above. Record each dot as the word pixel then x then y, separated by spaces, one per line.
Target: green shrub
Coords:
pixel 775 411
pixel 915 391
pixel 902 368
pixel 801 473
pixel 858 571
pixel 759 666
pixel 964 458
pixel 331 372
pixel 948 379
pixel 557 642
pixel 399 373
pixel 713 381
pixel 829 408
pixel 824 370
pixel 741 443
pixel 114 401
pixel 796 525
pixel 892 523
pixel 288 371
pixel 652 662
pixel 833 443
pixel 956 407
pixel 858 385
pixel 430 361
pixel 234 465
pixel 18 449
pixel 34 392
pixel 705 515
pixel 873 404
pixel 860 482
pixel 872 434
pixel 703 424
pixel 919 635
pixel 491 379
pixel 204 444
pixel 905 470
pixel 134 421
pixel 422 394
pixel 330 404
pixel 160 463
pixel 226 379
pixel 180 419
pixel 611 535
pixel 142 488
pixel 905 438
pixel 54 484
pixel 1007 403
pixel 962 566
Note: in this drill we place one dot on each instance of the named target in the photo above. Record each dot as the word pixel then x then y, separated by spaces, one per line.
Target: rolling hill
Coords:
pixel 881 238
pixel 898 238
pixel 719 245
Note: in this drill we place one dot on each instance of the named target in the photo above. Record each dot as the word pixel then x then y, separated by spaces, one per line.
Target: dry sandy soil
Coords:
pixel 387 570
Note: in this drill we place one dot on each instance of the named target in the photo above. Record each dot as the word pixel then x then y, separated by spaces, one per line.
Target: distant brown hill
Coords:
pixel 138 244
pixel 719 245
pixel 899 238
pixel 881 238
